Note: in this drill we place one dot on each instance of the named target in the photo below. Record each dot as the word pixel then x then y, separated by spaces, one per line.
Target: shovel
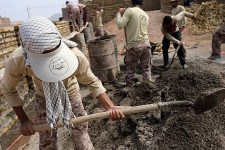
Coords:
pixel 203 103
pixel 173 58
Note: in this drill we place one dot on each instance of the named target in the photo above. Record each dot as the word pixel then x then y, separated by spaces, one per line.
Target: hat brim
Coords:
pixel 54 66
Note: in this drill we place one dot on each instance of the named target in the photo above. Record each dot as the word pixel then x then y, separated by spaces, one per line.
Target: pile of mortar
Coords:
pixel 178 128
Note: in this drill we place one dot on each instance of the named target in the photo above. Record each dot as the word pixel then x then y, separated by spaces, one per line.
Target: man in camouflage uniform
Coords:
pixel 217 39
pixel 61 67
pixel 135 21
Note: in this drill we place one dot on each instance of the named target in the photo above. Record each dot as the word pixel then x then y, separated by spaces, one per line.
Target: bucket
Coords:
pixel 102 58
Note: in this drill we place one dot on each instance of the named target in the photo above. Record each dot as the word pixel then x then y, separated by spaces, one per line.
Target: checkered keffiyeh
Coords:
pixel 37 35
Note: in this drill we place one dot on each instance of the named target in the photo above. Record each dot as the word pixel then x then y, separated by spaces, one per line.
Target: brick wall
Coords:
pixel 9 41
pixel 111 7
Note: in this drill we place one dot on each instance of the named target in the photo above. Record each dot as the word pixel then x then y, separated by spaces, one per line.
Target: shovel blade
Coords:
pixel 208 100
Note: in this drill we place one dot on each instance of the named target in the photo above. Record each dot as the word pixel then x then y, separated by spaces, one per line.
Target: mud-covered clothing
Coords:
pixel 176 18
pixel 142 53
pixel 136 22
pixel 15 69
pixel 75 15
pixel 181 53
pixel 181 23
pixel 217 39
pixel 79 132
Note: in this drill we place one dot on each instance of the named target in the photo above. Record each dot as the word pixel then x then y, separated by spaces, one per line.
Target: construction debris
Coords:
pixel 210 15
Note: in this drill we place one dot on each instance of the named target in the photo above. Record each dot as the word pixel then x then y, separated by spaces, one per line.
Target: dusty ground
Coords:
pixel 178 128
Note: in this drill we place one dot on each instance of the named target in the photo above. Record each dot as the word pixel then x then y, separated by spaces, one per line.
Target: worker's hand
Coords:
pixel 195 17
pixel 116 113
pixel 180 43
pixel 182 29
pixel 27 128
pixel 122 10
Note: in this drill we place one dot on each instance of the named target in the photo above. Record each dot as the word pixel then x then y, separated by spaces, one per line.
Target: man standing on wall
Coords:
pixel 74 13
pixel 135 21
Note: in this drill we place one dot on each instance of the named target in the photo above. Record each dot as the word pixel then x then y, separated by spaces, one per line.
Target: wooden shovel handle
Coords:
pixel 103 115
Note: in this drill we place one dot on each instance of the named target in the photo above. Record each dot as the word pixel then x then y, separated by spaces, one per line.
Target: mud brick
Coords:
pixel 8 39
pixel 6 29
pixel 2 41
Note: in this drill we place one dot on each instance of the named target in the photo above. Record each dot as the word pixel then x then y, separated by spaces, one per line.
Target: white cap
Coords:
pixel 38 36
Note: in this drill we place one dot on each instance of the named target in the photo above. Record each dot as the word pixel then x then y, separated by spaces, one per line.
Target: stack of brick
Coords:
pixel 64 27
pixel 8 42
pixel 210 15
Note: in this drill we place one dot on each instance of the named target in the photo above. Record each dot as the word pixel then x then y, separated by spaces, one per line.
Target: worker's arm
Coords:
pixel 81 7
pixel 183 14
pixel 101 12
pixel 115 112
pixel 123 18
pixel 26 127
pixel 85 76
pixel 13 73
pixel 169 36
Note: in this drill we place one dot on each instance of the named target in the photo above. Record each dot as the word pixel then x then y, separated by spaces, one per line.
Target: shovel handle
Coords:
pixel 103 115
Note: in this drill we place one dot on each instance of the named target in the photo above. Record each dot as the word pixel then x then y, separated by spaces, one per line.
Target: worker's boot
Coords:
pixel 185 66
pixel 214 57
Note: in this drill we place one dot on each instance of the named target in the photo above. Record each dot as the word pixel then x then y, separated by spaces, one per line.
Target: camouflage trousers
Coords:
pixel 48 140
pixel 142 53
pixel 217 39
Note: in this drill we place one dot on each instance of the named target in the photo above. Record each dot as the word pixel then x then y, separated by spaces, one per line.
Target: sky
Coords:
pixel 20 10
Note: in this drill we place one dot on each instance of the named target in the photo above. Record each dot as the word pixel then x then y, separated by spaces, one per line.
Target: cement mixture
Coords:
pixel 178 128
